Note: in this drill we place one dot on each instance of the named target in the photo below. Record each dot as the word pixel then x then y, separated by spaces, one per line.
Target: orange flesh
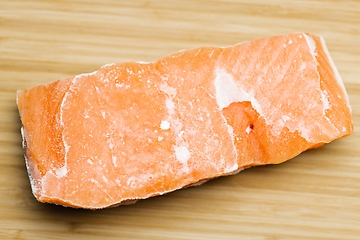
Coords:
pixel 130 131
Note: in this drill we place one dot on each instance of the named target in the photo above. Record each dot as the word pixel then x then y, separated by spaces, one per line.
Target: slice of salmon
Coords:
pixel 130 131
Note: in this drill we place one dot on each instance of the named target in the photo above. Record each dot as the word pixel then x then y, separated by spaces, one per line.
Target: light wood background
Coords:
pixel 314 196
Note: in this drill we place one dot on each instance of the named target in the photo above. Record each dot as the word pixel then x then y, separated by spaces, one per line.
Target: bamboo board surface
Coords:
pixel 314 196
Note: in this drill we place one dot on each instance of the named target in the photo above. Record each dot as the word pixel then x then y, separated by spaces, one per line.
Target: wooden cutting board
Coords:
pixel 314 196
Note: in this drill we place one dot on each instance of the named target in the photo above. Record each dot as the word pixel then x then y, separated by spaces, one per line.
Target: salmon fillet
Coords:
pixel 130 131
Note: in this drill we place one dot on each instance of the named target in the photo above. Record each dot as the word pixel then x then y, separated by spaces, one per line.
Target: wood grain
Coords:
pixel 314 196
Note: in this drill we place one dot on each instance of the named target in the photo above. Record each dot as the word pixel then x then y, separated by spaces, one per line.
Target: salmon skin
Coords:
pixel 130 131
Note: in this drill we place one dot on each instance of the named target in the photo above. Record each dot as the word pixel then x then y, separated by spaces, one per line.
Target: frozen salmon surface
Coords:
pixel 130 131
